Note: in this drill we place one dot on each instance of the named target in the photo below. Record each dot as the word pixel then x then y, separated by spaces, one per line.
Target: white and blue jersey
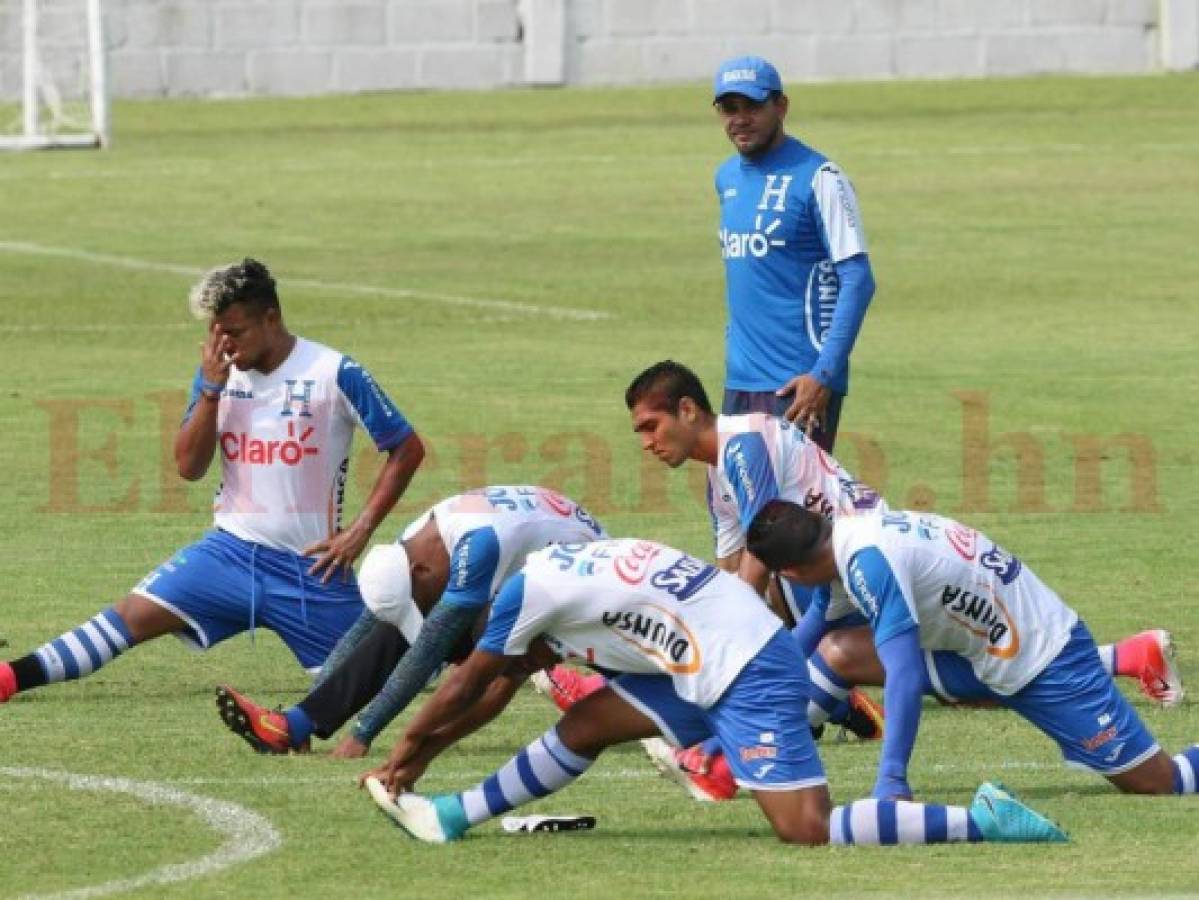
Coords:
pixel 929 583
pixel 762 458
pixel 490 531
pixel 786 220
pixel 697 652
pixel 957 587
pixel 634 606
pixel 284 441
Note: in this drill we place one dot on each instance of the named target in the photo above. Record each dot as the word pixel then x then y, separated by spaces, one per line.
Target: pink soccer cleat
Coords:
pixel 1149 657
pixel 565 686
pixel 8 682
pixel 707 779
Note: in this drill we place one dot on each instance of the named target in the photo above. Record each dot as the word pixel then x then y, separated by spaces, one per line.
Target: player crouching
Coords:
pixel 698 654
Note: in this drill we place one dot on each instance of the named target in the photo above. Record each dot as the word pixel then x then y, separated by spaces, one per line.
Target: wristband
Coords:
pixel 210 388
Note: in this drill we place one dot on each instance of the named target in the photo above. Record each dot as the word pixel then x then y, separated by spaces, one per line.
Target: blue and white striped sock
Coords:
pixel 545 766
pixel 81 651
pixel 829 691
pixel 878 822
pixel 1186 771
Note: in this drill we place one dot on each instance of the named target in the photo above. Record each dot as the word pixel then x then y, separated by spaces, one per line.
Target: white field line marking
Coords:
pixel 246 834
pixel 639 773
pixel 26 248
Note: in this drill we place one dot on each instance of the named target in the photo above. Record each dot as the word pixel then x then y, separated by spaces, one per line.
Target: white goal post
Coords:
pixel 63 78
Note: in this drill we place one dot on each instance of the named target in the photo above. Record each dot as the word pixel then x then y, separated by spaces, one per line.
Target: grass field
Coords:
pixel 504 263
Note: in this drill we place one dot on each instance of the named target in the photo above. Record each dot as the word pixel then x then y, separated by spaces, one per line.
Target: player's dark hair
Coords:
pixel 248 282
pixel 664 385
pixel 784 534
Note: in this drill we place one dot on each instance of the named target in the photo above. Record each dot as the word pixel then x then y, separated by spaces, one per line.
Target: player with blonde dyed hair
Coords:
pixel 279 411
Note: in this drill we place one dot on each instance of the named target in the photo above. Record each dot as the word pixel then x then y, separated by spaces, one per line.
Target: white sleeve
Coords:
pixel 726 524
pixel 838 208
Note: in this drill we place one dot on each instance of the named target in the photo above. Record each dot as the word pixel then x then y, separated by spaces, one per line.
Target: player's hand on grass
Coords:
pixel 338 553
pixel 809 403
pixel 350 748
pixel 215 360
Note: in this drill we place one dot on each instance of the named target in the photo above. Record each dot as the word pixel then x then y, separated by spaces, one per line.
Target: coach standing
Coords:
pixel 798 278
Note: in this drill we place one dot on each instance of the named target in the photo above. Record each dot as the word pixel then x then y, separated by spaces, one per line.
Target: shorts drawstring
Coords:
pixel 253 587
pixel 303 592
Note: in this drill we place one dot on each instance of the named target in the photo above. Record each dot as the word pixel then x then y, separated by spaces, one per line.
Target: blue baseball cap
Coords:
pixel 751 76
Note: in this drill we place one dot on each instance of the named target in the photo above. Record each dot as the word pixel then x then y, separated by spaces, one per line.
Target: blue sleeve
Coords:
pixel 504 613
pixel 440 631
pixel 380 417
pixel 877 593
pixel 810 630
pixel 903 663
pixel 472 569
pixel 747 466
pixel 194 397
pixel 857 288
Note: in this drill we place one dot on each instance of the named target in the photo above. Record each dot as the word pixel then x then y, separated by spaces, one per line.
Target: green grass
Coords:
pixel 1034 245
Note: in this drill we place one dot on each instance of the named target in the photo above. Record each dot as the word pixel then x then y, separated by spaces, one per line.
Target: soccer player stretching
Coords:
pixel 423 594
pixel 699 655
pixel 930 585
pixel 280 413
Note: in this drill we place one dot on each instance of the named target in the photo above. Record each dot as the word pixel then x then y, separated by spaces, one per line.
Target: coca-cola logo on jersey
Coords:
pixel 632 567
pixel 240 447
pixel 556 502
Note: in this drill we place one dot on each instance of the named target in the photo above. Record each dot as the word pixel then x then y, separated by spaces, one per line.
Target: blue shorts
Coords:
pixel 761 719
pixel 799 598
pixel 950 677
pixel 221 586
pixel 1073 700
pixel 1077 703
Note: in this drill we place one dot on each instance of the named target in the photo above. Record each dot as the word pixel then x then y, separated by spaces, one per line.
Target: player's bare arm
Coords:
pixel 195 444
pixel 339 552
pixel 751 570
pixel 494 701
pixel 461 689
pixel 729 563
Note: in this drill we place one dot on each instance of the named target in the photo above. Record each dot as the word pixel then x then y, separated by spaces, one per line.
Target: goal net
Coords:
pixel 53 85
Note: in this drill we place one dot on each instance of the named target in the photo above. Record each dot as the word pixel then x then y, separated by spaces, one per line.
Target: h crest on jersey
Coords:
pixel 778 193
pixel 302 397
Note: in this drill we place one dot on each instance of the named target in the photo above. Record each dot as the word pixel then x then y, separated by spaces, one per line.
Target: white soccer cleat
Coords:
pixel 420 816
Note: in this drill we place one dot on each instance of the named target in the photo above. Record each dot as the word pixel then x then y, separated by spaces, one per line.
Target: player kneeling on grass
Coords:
pixel 995 632
pixel 447 566
pixel 700 654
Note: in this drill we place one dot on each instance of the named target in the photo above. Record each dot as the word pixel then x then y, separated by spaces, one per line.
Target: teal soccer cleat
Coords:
pixel 1001 817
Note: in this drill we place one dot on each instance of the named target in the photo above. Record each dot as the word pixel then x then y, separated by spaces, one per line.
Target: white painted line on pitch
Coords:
pixel 246 834
pixel 639 773
pixel 27 248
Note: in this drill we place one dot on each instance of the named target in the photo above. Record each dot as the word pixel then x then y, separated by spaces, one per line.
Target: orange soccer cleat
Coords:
pixel 263 729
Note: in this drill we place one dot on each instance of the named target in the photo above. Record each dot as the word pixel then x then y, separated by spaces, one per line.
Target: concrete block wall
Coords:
pixel 303 47
pixel 633 41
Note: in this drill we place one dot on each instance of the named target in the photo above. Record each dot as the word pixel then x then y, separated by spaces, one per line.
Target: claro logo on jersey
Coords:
pixel 984 617
pixel 756 243
pixel 658 633
pixel 240 447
